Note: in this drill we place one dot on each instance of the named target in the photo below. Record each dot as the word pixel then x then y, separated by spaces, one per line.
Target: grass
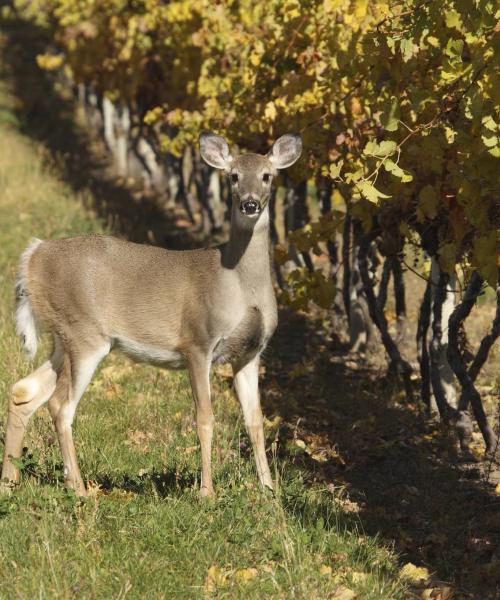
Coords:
pixel 143 529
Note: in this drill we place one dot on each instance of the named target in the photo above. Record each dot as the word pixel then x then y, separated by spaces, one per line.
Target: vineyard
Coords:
pixel 397 104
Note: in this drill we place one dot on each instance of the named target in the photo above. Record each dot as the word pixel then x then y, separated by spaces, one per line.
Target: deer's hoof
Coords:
pixel 206 492
pixel 78 487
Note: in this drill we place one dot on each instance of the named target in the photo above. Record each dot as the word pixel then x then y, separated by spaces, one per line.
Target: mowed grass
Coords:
pixel 143 531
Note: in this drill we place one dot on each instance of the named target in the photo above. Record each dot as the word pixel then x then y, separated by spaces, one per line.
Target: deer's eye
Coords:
pixel 234 177
pixel 266 178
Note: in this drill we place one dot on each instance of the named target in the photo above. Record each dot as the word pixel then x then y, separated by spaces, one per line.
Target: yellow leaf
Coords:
pixel 358 577
pixel 274 422
pixel 497 489
pixel 342 593
pixel 244 575
pixel 270 111
pixel 325 570
pixel 215 578
pixel 49 62
pixel 413 574
pixel 361 8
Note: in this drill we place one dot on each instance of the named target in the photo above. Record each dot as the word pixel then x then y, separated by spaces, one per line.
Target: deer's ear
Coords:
pixel 215 151
pixel 285 151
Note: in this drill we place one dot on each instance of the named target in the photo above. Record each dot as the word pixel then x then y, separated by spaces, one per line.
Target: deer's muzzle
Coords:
pixel 250 207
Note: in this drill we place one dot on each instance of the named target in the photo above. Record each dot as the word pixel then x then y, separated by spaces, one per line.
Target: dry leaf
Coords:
pixel 138 439
pixel 244 575
pixel 359 577
pixel 440 593
pixel 94 489
pixel 413 574
pixel 342 593
pixel 268 567
pixel 271 424
pixel 325 570
pixel 215 578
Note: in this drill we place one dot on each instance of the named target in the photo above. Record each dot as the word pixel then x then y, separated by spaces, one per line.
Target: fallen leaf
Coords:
pixel 94 489
pixel 439 593
pixel 359 577
pixel 215 578
pixel 244 575
pixel 413 574
pixel 274 422
pixel 325 570
pixel 138 439
pixel 268 567
pixel 342 593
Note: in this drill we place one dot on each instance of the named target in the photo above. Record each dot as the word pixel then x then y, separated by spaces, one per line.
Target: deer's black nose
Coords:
pixel 250 207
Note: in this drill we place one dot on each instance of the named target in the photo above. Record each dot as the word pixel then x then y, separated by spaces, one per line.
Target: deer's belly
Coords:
pixel 147 353
pixel 245 341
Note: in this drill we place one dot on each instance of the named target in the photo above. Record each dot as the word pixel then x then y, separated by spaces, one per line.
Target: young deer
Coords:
pixel 178 309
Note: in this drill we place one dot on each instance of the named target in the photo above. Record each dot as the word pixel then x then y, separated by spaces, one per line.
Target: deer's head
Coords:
pixel 250 175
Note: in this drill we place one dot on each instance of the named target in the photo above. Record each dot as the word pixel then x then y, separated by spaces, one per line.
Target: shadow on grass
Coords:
pixel 401 475
pixel 47 116
pixel 163 483
pixel 400 472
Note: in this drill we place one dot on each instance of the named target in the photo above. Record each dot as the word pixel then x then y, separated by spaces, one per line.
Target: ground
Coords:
pixel 366 483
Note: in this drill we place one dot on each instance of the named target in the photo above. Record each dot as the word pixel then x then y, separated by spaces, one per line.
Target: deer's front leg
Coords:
pixel 246 382
pixel 199 370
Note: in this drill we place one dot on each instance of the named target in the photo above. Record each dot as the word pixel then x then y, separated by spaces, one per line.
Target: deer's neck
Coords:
pixel 248 248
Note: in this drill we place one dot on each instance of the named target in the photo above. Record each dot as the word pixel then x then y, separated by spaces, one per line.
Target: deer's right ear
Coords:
pixel 215 151
pixel 286 150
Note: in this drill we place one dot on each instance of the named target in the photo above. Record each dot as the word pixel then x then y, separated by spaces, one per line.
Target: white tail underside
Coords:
pixel 26 325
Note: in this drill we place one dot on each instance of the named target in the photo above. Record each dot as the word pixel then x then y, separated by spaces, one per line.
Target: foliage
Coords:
pixel 397 102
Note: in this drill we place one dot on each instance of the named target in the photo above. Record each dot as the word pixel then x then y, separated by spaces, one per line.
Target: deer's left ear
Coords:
pixel 286 150
pixel 215 151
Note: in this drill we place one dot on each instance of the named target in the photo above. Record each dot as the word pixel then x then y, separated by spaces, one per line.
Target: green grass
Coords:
pixel 143 531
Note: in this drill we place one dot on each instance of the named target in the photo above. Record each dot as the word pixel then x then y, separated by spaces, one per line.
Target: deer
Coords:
pixel 178 309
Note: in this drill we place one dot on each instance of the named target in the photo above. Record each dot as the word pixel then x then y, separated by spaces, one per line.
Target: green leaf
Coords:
pixel 489 123
pixel 490 141
pixel 428 202
pixel 370 192
pixel 406 49
pixel 335 169
pixel 397 171
pixel 453 19
pixel 385 148
pixel 390 118
pixel 454 48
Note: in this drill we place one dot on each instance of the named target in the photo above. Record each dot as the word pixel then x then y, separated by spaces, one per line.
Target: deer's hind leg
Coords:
pixel 199 370
pixel 78 366
pixel 27 396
